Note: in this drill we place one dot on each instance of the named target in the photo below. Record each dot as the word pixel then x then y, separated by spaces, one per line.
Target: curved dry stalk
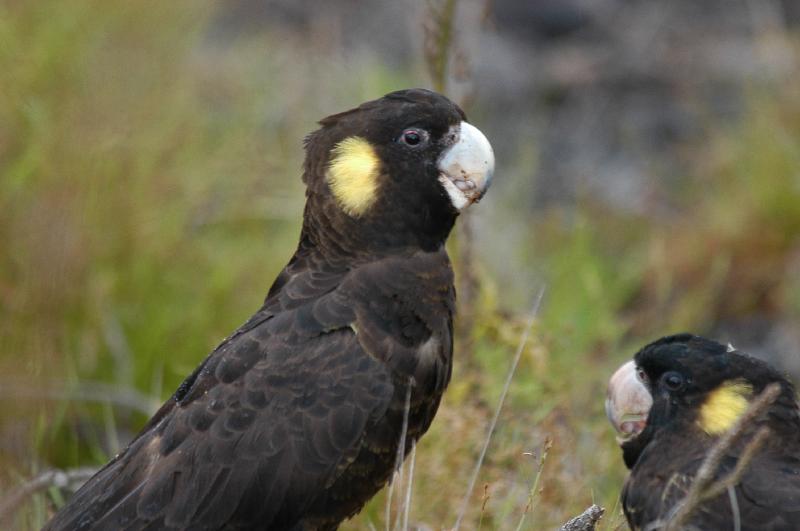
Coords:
pixel 704 487
pixel 733 478
pixel 51 478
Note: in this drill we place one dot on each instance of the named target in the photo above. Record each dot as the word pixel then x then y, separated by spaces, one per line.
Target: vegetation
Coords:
pixel 150 192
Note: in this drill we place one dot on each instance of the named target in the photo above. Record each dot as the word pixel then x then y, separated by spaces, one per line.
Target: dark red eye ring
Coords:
pixel 413 137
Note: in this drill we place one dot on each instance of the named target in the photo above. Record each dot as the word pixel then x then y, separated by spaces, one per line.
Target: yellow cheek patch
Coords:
pixel 353 175
pixel 724 405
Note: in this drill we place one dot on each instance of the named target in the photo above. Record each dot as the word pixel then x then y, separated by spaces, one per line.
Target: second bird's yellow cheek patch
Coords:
pixel 353 175
pixel 724 405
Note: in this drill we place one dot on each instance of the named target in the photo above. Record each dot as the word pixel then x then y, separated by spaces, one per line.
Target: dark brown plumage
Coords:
pixel 699 388
pixel 294 421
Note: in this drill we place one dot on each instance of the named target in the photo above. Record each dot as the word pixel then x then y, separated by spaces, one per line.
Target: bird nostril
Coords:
pixel 632 427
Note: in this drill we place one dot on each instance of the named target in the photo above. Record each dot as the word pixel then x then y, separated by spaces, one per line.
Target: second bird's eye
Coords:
pixel 673 380
pixel 413 137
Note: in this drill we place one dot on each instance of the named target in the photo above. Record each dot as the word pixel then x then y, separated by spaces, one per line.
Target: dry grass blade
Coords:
pixel 484 501
pixel 703 487
pixel 52 478
pixel 406 509
pixel 737 519
pixel 548 444
pixel 522 343
pixel 397 477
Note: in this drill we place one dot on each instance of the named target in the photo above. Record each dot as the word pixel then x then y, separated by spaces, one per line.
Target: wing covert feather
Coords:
pixel 283 407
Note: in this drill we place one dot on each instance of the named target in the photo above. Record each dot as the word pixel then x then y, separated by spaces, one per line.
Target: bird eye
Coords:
pixel 673 381
pixel 413 137
pixel 641 375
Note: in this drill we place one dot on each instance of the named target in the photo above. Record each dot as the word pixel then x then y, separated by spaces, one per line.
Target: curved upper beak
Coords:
pixel 628 402
pixel 467 167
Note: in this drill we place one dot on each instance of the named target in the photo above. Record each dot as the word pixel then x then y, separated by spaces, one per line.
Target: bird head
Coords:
pixel 684 382
pixel 395 171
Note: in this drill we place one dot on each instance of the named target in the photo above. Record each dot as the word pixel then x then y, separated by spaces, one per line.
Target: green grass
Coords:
pixel 150 192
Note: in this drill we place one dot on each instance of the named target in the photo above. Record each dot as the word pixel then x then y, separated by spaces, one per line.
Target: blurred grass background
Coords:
pixel 150 191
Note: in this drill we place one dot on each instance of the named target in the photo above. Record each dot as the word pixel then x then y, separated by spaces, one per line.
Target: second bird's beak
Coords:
pixel 628 402
pixel 467 167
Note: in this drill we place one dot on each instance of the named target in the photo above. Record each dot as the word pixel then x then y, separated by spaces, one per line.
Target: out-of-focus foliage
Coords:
pixel 150 192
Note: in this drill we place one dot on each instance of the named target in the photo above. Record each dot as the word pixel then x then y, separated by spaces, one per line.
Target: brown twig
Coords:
pixel 439 37
pixel 52 478
pixel 446 61
pixel 704 487
pixel 586 521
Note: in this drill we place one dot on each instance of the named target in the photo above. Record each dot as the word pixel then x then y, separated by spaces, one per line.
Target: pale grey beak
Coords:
pixel 628 402
pixel 466 168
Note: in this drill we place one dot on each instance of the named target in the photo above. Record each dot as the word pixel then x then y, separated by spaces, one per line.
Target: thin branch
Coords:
pixel 586 521
pixel 439 38
pixel 522 343
pixel 52 478
pixel 442 55
pixel 703 487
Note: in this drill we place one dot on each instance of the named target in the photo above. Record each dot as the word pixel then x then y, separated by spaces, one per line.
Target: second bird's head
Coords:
pixel 688 385
pixel 394 171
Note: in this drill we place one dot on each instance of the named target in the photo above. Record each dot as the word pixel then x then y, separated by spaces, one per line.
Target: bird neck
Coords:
pixel 339 238
pixel 333 243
